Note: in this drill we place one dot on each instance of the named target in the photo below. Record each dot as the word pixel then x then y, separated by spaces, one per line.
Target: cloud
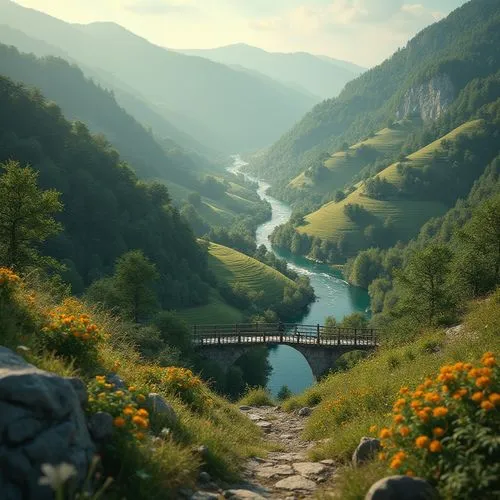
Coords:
pixel 159 7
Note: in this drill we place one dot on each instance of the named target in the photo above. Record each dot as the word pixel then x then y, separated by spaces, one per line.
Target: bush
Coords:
pixel 284 393
pixel 187 386
pixel 447 431
pixel 257 396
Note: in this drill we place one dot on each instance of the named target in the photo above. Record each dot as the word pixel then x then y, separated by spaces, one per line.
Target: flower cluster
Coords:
pixel 430 423
pixel 187 386
pixel 70 332
pixel 124 405
pixel 8 277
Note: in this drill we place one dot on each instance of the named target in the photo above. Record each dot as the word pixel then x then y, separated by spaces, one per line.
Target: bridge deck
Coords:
pixel 280 333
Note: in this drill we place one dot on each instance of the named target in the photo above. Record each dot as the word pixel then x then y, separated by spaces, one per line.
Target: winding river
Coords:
pixel 334 296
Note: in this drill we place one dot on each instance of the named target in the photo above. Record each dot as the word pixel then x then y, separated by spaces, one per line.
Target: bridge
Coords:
pixel 321 346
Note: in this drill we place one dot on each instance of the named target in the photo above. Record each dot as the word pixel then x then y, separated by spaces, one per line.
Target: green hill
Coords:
pixel 424 78
pixel 331 222
pixel 342 166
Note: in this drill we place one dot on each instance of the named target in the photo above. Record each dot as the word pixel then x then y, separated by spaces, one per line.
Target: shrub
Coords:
pixel 8 280
pixel 284 393
pixel 70 332
pixel 129 419
pixel 257 396
pixel 187 386
pixel 447 430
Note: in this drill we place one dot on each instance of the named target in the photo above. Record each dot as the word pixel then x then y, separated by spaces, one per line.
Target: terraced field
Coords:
pixel 330 221
pixel 231 266
pixel 344 165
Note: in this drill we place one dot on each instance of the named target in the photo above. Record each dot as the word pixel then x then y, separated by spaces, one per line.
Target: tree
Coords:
pixel 424 283
pixel 133 283
pixel 26 215
pixel 284 393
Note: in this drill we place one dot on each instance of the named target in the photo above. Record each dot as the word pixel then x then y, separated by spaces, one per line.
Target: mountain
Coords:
pixel 423 79
pixel 321 76
pixel 226 109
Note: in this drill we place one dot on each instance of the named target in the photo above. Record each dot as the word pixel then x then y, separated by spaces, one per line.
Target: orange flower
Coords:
pixel 422 442
pixel 438 431
pixel 401 455
pixel 404 390
pixel 489 361
pixel 435 446
pixel 477 397
pixel 143 413
pixel 131 388
pixel 398 419
pixel 128 410
pixel 404 431
pixel 396 463
pixel 432 397
pixel 416 404
pixel 140 421
pixel 486 405
pixel 418 394
pixel 382 455
pixel 494 398
pixel 139 435
pixel 423 416
pixel 428 382
pixel 119 422
pixel 482 382
pixel 373 429
pixel 385 433
pixel 440 411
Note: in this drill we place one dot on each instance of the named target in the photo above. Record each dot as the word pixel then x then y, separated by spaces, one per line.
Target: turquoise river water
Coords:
pixel 334 297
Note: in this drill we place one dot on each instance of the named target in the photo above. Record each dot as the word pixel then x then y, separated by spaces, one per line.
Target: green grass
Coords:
pixel 343 165
pixel 257 397
pixel 330 221
pixel 231 266
pixel 216 311
pixel 353 401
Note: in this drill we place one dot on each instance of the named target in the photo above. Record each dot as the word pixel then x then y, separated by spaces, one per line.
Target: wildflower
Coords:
pixel 140 421
pixel 423 416
pixel 396 463
pixel 435 446
pixel 483 382
pixel 108 386
pixel 56 476
pixel 477 397
pixel 404 390
pixel 398 419
pixel 373 429
pixel 385 433
pixel 422 442
pixel 432 397
pixel 489 361
pixel 401 455
pixel 141 398
pixel 494 398
pixel 438 431
pixel 440 411
pixel 404 431
pixel 416 404
pixel 119 422
pixel 143 413
pixel 487 405
pixel 132 388
pixel 418 394
pixel 128 410
pixel 119 393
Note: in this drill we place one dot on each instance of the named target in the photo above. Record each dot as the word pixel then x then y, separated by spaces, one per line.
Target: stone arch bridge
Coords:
pixel 321 346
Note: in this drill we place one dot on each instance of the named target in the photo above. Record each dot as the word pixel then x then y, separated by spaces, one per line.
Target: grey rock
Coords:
pixel 242 495
pixel 304 412
pixel 366 450
pixel 327 461
pixel 245 408
pixel 116 380
pixel 204 495
pixel 254 417
pixel 202 450
pixel 101 426
pixel 401 488
pixel 204 477
pixel 156 404
pixel 295 483
pixel 309 468
pixel 265 426
pixel 41 421
pixel 80 389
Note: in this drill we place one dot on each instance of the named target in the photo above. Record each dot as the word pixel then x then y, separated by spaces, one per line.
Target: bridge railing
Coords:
pixel 282 333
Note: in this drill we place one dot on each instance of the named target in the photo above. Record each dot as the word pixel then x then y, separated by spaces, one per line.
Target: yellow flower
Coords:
pixel 404 431
pixel 101 395
pixel 373 429
pixel 119 393
pixel 119 422
pixel 143 413
pixel 404 390
pixel 382 456
pixel 140 421
pixel 385 433
pixel 487 405
pixel 422 442
pixel 128 411
pixel 440 411
pixel 108 386
pixel 435 446
pixel 141 398
pixel 132 388
pixel 438 431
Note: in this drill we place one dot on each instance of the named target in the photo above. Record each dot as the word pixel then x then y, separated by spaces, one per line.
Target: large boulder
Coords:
pixel 41 422
pixel 157 405
pixel 366 450
pixel 401 488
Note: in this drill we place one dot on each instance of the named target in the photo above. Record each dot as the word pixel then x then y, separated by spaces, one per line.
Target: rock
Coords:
pixel 304 412
pixel 80 389
pixel 309 468
pixel 202 450
pixel 242 495
pixel 101 426
pixel 116 380
pixel 327 461
pixel 204 495
pixel 156 404
pixel 287 436
pixel 401 488
pixel 245 408
pixel 254 417
pixel 204 477
pixel 294 483
pixel 41 421
pixel 265 426
pixel 366 450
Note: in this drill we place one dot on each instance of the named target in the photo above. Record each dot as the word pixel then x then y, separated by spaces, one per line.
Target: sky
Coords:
pixel 361 31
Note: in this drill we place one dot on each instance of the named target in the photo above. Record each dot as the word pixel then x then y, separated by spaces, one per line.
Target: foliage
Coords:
pixel 183 383
pixel 26 218
pixel 284 393
pixel 257 396
pixel 447 430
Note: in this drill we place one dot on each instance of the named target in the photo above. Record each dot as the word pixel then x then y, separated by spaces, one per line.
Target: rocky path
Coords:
pixel 284 474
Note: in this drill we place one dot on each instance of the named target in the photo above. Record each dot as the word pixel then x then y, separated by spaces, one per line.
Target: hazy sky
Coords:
pixel 361 31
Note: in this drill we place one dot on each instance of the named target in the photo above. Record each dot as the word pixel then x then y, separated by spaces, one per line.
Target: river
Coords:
pixel 334 296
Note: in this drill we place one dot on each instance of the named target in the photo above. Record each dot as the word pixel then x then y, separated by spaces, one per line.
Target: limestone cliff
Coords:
pixel 429 99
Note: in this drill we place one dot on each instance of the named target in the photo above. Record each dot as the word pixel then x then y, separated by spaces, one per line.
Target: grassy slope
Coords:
pixel 351 402
pixel 329 222
pixel 343 165
pixel 231 266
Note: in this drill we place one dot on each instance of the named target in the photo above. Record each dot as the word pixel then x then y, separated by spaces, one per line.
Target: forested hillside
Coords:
pixel 214 113
pixel 423 78
pixel 94 181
